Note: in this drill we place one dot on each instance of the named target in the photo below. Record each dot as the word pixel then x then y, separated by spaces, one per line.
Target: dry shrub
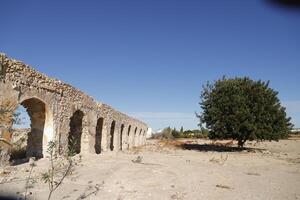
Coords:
pixel 223 144
pixel 136 150
pixel 171 144
pixel 220 161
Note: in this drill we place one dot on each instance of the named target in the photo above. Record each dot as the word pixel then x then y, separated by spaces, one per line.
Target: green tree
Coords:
pixel 242 109
pixel 181 130
pixel 175 133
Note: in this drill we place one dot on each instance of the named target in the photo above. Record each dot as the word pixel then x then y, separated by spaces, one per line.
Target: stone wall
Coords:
pixel 51 104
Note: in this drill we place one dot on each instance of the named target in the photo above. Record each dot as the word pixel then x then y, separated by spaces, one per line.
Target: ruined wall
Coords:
pixel 52 103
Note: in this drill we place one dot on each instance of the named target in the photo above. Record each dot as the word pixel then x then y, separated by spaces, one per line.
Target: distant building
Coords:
pixel 149 133
pixel 294 130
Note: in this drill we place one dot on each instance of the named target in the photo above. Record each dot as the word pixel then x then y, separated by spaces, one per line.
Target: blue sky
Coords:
pixel 150 59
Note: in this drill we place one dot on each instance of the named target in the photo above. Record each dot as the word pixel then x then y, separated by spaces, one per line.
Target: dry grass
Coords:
pixel 220 161
pixel 253 174
pixel 170 144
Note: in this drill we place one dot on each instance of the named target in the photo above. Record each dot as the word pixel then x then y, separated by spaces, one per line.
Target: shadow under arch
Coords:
pixel 75 134
pixel 98 137
pixel 128 136
pixel 121 137
pixel 134 136
pixel 112 134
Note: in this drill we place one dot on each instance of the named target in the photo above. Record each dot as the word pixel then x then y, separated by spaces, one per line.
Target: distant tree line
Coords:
pixel 173 133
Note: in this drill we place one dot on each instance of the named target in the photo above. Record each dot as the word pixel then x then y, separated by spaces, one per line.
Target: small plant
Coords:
pixel 90 190
pixel 50 177
pixel 220 161
pixel 139 159
pixel 29 179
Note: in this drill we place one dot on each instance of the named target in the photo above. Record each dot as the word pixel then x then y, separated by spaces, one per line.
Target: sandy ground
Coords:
pixel 268 170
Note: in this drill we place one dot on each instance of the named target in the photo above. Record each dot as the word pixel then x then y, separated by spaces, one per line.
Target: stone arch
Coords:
pixel 112 133
pixel 140 137
pixel 49 132
pixel 128 137
pixel 41 119
pixel 121 136
pixel 98 136
pixel 135 130
pixel 75 134
pixel 129 128
pixel 134 136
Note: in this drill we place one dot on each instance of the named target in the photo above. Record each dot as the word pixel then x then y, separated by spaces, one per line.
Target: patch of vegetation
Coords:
pixel 59 169
pixel 169 133
pixel 164 134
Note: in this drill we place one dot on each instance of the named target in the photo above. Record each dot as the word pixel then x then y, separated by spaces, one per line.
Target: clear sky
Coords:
pixel 150 58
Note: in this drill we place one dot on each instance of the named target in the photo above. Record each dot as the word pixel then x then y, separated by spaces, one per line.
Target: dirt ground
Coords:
pixel 185 169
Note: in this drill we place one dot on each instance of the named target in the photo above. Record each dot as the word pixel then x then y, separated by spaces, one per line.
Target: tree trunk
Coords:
pixel 241 143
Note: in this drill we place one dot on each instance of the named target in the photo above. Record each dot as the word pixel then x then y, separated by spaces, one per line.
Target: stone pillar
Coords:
pixel 144 138
pixel 124 138
pixel 8 104
pixel 85 136
pixel 138 138
pixel 117 137
pixel 105 137
pixel 135 138
pixel 5 146
pixel 141 139
pixel 92 124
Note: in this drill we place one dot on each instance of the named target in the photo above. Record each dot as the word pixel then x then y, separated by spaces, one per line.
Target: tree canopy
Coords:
pixel 243 109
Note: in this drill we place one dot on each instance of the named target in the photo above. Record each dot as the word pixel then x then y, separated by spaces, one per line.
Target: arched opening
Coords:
pixel 74 138
pixel 121 137
pixel 28 129
pixel 98 137
pixel 134 136
pixel 20 130
pixel 128 136
pixel 140 138
pixel 129 128
pixel 112 132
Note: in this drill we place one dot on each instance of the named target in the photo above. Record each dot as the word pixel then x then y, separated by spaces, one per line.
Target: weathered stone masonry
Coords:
pixel 64 114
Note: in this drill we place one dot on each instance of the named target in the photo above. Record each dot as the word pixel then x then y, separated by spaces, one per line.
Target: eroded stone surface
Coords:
pixel 52 105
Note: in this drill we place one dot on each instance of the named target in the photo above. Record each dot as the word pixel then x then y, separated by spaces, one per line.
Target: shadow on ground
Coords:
pixel 4 197
pixel 15 162
pixel 214 148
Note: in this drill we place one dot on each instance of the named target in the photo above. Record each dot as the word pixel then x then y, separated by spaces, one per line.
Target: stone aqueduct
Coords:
pixel 62 113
